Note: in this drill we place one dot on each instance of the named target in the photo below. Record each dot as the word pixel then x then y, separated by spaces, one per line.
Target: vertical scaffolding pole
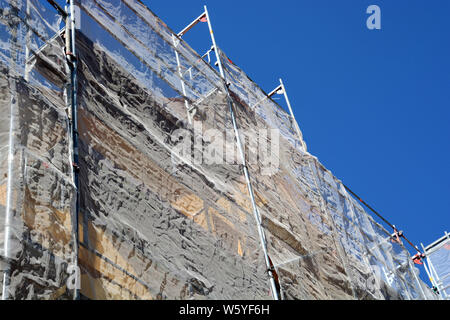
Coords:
pixel 13 25
pixel 431 275
pixel 425 266
pixel 437 279
pixel 297 128
pixel 74 105
pixel 417 280
pixel 176 42
pixel 244 162
pixel 8 212
pixel 27 46
pixel 213 39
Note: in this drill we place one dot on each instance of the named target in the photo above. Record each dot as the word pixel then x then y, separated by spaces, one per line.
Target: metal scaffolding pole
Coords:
pixel 74 124
pixel 432 274
pixel 180 72
pixel 245 168
pixel 13 25
pixel 27 44
pixel 417 280
pixel 430 277
pixel 297 128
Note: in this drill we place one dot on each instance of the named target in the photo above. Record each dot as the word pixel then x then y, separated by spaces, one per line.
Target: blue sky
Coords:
pixel 373 105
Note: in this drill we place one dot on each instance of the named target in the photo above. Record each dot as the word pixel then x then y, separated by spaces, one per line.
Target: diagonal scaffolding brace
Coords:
pixel 204 17
pixel 244 162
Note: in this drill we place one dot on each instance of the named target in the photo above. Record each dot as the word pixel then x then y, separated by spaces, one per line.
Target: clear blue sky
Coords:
pixel 374 106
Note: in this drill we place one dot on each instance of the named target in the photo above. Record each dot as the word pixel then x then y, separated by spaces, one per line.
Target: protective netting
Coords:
pixel 154 222
pixel 37 193
pixel 340 251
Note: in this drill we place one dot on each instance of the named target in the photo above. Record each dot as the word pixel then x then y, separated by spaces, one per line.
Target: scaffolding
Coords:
pixel 142 221
pixel 437 265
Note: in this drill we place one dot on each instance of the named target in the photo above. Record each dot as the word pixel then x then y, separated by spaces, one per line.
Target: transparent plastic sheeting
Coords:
pixel 354 243
pixel 153 223
pixel 25 27
pixel 143 44
pixel 440 266
pixel 36 189
pixel 255 98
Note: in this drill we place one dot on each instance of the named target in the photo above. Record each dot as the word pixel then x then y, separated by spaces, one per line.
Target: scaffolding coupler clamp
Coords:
pixel 75 166
pixel 395 237
pixel 192 108
pixel 271 269
pixel 70 56
pixel 417 258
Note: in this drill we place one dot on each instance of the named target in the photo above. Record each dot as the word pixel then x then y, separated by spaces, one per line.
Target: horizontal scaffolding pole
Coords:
pixel 60 10
pixel 436 243
pixel 192 24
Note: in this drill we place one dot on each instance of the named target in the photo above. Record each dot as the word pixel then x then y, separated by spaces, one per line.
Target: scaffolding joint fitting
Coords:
pixel 76 168
pixel 70 56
